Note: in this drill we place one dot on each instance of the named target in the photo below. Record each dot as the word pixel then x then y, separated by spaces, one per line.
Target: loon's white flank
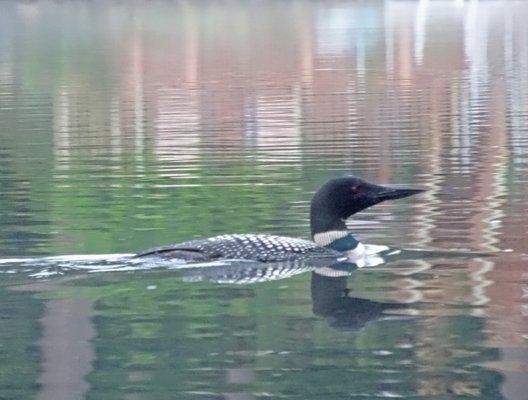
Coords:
pixel 356 252
pixel 366 255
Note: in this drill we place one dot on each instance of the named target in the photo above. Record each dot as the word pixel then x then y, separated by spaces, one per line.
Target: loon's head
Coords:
pixel 340 198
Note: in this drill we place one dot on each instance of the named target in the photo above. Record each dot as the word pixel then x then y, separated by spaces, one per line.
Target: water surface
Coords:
pixel 126 125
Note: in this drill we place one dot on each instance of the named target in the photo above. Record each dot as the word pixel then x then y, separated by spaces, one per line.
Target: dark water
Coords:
pixel 125 125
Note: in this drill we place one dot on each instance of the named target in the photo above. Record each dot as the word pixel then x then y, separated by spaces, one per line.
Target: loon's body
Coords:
pixel 333 203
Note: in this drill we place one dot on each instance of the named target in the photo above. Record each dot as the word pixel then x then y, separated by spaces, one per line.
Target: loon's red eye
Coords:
pixel 355 189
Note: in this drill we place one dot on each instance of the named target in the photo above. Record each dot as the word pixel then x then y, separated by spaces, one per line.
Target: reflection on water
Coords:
pixel 126 126
pixel 331 301
pixel 66 352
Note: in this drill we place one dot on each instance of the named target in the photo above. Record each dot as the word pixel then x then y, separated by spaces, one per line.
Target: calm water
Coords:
pixel 125 125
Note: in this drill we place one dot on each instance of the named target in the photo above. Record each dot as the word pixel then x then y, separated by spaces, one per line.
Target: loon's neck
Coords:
pixel 340 240
pixel 328 225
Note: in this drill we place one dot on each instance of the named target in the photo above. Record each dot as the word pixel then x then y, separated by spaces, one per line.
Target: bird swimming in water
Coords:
pixel 332 204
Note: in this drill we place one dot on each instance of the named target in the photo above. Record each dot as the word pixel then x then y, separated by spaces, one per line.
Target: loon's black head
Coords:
pixel 340 198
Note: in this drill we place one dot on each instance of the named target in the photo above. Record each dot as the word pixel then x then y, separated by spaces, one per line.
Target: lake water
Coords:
pixel 126 125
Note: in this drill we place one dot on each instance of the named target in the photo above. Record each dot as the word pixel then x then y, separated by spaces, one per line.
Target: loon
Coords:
pixel 332 204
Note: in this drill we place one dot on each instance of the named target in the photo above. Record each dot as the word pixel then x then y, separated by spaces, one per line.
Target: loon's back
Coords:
pixel 264 248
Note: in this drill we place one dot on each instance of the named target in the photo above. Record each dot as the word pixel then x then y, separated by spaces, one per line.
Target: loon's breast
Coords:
pixel 263 248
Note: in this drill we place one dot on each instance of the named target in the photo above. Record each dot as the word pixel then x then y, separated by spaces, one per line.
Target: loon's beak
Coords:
pixel 391 192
